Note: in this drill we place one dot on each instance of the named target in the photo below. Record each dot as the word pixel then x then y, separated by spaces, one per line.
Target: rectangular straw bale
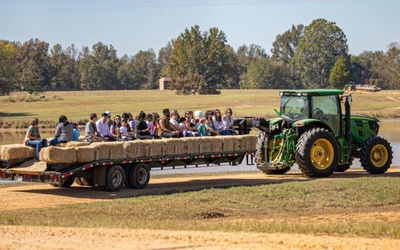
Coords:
pixel 117 150
pixel 102 150
pixel 75 144
pixel 229 143
pixel 217 144
pixel 135 149
pixel 16 152
pixel 193 144
pixel 154 147
pixel 250 142
pixel 86 154
pixel 169 147
pixel 237 141
pixel 58 155
pixel 180 146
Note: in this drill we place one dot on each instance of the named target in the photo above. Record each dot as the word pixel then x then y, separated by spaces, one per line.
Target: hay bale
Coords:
pixel 229 143
pixel 117 151
pixel 181 147
pixel 250 142
pixel 169 146
pixel 76 144
pixel 102 150
pixel 58 155
pixel 237 142
pixel 137 148
pixel 17 152
pixel 86 154
pixel 154 147
pixel 216 144
pixel 193 144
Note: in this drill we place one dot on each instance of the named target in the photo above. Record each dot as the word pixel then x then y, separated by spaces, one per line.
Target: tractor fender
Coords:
pixel 310 123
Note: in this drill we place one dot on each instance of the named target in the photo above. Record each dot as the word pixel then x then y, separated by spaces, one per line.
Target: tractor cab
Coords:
pixel 304 107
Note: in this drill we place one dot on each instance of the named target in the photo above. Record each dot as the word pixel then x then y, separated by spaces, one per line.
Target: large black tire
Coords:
pixel 344 167
pixel 376 155
pixel 138 176
pixel 260 153
pixel 115 178
pixel 317 153
pixel 67 183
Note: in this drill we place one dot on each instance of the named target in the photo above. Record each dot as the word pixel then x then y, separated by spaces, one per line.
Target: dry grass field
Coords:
pixel 18 108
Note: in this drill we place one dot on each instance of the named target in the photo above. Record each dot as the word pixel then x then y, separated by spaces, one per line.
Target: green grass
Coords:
pixel 77 105
pixel 264 208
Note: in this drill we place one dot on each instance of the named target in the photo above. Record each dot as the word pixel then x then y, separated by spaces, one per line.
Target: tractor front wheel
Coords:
pixel 376 155
pixel 317 153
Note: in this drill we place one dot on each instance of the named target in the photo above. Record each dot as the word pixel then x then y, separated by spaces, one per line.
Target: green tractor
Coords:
pixel 313 131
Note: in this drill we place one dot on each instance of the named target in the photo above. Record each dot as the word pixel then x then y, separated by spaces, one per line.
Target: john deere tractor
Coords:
pixel 315 129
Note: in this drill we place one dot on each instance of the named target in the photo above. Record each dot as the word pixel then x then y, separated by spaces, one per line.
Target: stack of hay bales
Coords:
pixel 175 147
pixel 16 152
pixel 193 144
pixel 229 143
pixel 137 148
pixel 108 150
pixel 85 154
pixel 214 144
pixel 249 142
pixel 76 144
pixel 58 155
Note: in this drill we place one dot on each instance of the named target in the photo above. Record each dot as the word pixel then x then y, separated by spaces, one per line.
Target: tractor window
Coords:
pixel 327 109
pixel 294 107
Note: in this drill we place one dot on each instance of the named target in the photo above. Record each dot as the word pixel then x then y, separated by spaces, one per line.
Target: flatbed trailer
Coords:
pixel 113 174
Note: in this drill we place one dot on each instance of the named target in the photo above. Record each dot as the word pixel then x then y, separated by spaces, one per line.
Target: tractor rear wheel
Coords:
pixel 376 155
pixel 344 167
pixel 260 157
pixel 317 153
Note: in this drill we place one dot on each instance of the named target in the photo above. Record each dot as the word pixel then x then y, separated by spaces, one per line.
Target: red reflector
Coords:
pixel 299 124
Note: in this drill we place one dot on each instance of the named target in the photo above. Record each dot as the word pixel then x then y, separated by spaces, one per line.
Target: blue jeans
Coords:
pixel 55 141
pixel 39 144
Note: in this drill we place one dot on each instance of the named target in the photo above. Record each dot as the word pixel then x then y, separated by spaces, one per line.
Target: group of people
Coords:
pixel 153 126
pixel 144 126
pixel 65 132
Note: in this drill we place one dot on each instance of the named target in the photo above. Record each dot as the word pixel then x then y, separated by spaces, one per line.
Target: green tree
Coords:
pixel 266 73
pixel 8 67
pixel 33 62
pixel 199 63
pixel 340 73
pixel 361 65
pixel 286 44
pixel 64 68
pixel 320 46
pixel 386 67
pixel 99 69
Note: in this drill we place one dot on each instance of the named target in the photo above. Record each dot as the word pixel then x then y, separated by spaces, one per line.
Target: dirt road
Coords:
pixel 35 196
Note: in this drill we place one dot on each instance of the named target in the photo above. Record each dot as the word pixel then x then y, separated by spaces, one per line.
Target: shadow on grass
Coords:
pixel 5 114
pixel 195 184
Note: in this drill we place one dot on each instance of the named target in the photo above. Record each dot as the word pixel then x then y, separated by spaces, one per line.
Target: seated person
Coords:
pixel 64 131
pixel 123 130
pixel 104 130
pixel 91 132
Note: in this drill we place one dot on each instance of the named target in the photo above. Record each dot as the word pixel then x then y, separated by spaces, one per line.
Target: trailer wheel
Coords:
pixel 317 153
pixel 138 176
pixel 78 181
pixel 376 155
pixel 67 183
pixel 87 181
pixel 115 178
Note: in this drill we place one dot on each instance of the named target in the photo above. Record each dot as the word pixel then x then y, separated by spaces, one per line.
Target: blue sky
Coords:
pixel 133 25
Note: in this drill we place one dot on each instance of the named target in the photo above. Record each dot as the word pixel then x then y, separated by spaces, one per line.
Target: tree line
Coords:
pixel 201 62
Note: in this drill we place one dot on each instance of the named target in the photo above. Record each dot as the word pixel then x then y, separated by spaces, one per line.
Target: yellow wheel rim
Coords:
pixel 276 151
pixel 379 155
pixel 322 154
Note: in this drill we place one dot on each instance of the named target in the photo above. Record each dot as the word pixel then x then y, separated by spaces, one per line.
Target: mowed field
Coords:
pixel 78 105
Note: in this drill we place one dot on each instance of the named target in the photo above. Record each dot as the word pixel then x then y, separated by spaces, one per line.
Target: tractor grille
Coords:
pixel 359 123
pixel 361 133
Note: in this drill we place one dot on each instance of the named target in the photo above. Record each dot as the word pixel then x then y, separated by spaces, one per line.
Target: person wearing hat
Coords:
pixel 109 121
